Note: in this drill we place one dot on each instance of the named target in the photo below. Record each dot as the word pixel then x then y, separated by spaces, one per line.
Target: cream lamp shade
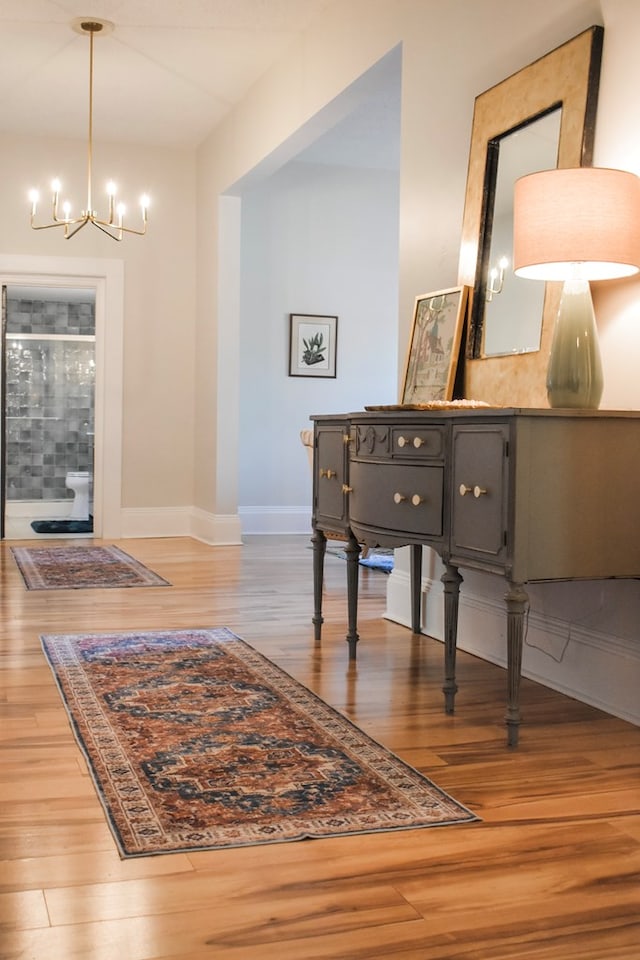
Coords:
pixel 576 225
pixel 584 215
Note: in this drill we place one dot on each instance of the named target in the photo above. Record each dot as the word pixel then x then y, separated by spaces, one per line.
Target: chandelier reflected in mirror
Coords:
pixel 113 224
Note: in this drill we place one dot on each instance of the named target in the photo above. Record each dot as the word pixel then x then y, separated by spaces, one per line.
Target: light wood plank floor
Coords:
pixel 552 871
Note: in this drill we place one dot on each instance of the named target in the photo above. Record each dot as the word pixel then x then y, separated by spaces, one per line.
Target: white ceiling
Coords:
pixel 167 74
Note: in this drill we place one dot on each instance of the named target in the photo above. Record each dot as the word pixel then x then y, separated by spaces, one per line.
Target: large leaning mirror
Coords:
pixel 541 117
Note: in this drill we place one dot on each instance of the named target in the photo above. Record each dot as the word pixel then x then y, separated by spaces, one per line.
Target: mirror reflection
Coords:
pixel 513 306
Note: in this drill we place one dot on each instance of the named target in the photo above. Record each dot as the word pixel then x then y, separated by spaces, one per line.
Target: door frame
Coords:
pixel 106 277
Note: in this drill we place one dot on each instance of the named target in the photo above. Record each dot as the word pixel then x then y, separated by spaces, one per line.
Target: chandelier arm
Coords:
pixel 61 221
pixel 58 222
pixel 71 233
pixel 120 227
pixel 138 233
pixel 104 227
pixel 46 226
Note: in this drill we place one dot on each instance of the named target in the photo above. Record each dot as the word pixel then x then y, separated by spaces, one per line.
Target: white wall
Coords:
pixel 319 240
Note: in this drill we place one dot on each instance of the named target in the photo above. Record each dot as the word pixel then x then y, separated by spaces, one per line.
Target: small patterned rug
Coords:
pixel 74 568
pixel 196 742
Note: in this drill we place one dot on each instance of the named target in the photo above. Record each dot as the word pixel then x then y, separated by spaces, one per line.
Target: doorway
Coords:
pixel 105 279
pixel 48 354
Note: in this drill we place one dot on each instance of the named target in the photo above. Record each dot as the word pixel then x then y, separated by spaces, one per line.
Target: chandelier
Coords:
pixel 113 226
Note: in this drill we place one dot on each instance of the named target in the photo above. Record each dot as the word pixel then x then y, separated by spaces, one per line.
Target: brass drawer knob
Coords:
pixel 479 491
pixel 398 497
pixel 346 489
pixel 463 489
pixel 416 499
pixel 328 474
pixel 405 441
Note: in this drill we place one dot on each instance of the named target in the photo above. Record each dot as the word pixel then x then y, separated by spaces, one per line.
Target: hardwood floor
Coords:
pixel 552 871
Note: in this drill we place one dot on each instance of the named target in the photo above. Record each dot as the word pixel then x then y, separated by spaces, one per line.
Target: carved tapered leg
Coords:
pixel 517 601
pixel 416 588
pixel 451 580
pixel 352 551
pixel 319 542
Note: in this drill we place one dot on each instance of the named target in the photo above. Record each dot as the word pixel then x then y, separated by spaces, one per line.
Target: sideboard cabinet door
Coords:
pixel 479 494
pixel 331 472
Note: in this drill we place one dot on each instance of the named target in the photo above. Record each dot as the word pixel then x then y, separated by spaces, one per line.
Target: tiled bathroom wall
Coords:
pixel 49 396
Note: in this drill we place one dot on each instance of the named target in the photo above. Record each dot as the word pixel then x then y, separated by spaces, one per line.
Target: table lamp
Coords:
pixel 576 225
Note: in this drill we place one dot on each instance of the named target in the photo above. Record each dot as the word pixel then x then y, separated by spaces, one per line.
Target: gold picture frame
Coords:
pixel 434 346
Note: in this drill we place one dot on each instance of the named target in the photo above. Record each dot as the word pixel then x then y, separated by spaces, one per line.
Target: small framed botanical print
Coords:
pixel 312 345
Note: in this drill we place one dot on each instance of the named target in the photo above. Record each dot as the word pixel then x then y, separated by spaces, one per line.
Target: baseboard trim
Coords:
pixel 275 520
pixel 216 530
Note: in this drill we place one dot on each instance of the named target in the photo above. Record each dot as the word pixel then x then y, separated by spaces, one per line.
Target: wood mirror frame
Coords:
pixel 568 77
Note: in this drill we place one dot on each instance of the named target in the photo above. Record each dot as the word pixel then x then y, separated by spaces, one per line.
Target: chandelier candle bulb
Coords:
pixel 111 193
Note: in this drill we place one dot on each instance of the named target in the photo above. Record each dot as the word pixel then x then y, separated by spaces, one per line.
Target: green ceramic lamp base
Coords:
pixel 574 375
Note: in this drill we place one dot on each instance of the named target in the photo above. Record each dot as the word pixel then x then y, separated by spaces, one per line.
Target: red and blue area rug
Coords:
pixel 74 568
pixel 197 741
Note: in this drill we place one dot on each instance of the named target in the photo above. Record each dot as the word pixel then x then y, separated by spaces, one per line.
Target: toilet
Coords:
pixel 79 483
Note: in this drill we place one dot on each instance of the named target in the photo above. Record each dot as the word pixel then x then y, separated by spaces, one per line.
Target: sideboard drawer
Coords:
pixel 395 497
pixel 412 441
pixel 418 442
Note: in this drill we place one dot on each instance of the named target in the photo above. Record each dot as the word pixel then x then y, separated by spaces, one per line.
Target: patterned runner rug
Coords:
pixel 72 568
pixel 196 741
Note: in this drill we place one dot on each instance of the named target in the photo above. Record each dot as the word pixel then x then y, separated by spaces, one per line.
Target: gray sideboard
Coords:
pixel 531 495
